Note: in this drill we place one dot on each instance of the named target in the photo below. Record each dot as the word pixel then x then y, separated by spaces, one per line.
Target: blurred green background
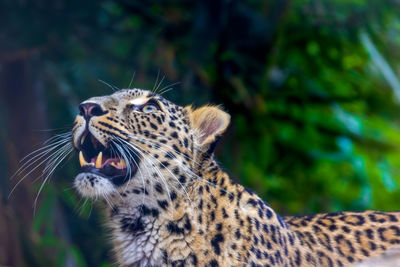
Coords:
pixel 311 86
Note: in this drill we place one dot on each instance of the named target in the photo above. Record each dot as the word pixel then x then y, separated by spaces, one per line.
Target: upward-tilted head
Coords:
pixel 169 203
pixel 129 139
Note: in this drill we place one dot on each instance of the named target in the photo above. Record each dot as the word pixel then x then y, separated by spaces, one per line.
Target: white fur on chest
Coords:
pixel 137 249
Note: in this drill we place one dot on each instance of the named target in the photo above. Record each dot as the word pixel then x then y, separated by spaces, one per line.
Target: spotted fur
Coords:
pixel 179 208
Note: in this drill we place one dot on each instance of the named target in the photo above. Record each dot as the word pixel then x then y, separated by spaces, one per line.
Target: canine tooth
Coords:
pixel 113 164
pixel 99 160
pixel 82 160
pixel 122 163
pixel 83 137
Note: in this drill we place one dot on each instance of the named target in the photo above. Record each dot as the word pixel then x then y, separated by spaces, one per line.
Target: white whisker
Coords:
pixel 113 87
pixel 37 166
pixel 59 159
pixel 161 81
pixel 131 146
pixel 39 154
pixel 168 88
pixel 180 164
pixel 123 154
pixel 132 78
pixel 166 151
pixel 155 84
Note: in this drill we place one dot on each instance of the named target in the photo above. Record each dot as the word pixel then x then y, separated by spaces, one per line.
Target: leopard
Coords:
pixel 168 202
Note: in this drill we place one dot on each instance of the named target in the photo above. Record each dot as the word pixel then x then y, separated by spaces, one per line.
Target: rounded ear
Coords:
pixel 209 122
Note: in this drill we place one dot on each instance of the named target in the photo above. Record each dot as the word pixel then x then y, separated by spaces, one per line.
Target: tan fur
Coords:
pixel 181 209
pixel 209 121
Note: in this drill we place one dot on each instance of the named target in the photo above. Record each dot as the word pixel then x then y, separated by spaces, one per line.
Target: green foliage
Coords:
pixel 315 120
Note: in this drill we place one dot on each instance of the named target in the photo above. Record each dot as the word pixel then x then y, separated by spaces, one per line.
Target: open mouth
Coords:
pixel 104 161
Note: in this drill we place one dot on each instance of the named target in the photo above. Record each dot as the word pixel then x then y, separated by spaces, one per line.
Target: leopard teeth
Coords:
pixel 83 137
pixel 122 163
pixel 82 160
pixel 99 160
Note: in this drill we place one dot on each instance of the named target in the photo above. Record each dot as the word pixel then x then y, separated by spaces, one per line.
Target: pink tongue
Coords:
pixel 107 161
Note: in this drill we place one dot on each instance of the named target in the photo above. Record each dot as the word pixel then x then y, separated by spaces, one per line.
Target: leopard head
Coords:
pixel 138 142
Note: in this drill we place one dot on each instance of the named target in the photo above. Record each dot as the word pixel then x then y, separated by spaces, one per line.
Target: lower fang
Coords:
pixel 122 163
pixel 99 160
pixel 82 160
pixel 83 137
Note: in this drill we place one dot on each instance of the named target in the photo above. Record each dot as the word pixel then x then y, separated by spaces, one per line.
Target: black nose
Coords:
pixel 88 110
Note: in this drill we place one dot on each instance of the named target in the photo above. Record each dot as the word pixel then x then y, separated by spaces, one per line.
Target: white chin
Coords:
pixel 92 185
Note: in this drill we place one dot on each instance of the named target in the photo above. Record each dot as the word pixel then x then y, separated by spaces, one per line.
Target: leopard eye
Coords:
pixel 149 108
